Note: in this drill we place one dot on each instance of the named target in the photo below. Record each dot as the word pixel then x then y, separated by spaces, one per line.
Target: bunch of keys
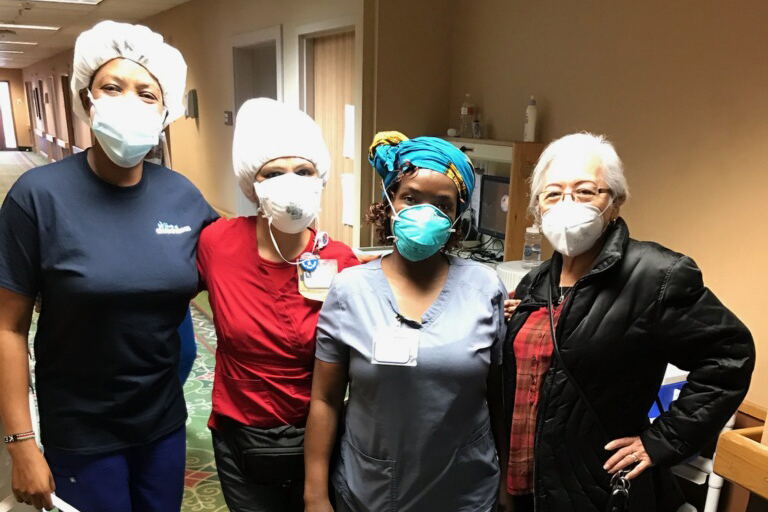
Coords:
pixel 619 499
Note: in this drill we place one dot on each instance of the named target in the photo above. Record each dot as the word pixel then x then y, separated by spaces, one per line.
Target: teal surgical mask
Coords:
pixel 420 230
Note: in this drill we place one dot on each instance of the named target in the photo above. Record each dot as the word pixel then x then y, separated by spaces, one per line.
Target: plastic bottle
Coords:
pixel 529 132
pixel 477 127
pixel 532 247
pixel 467 116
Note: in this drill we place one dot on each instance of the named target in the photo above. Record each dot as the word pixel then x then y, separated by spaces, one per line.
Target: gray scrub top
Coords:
pixel 417 438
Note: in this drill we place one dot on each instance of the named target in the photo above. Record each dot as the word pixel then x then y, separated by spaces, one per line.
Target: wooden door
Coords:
pixel 68 113
pixel 31 110
pixel 332 86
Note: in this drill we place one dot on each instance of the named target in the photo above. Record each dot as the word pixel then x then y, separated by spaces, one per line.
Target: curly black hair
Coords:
pixel 378 216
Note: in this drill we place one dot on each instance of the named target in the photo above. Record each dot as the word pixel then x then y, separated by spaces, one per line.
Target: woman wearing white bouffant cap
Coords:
pixel 266 277
pixel 109 242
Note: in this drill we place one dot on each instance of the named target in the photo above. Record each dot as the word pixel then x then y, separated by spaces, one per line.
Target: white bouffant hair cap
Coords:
pixel 110 40
pixel 265 130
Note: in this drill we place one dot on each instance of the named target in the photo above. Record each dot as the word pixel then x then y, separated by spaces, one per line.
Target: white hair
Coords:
pixel 574 146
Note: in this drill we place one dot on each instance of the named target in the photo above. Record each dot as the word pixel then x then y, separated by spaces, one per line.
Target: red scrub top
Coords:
pixel 265 327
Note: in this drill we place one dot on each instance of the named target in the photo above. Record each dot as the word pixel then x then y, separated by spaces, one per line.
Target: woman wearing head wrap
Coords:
pixel 265 276
pixel 108 241
pixel 417 336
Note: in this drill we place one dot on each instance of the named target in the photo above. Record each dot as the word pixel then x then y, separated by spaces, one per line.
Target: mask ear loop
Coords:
pixel 394 214
pixel 263 213
pixel 274 243
pixel 277 247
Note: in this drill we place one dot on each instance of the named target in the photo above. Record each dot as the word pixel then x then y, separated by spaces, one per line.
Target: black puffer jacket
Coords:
pixel 642 306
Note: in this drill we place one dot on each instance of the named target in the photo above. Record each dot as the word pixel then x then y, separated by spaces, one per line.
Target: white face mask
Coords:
pixel 126 127
pixel 290 202
pixel 572 228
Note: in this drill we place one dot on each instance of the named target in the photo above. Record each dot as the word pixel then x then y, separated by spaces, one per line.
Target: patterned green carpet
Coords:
pixel 202 492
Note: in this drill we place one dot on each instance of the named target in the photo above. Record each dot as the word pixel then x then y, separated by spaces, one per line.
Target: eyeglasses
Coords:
pixel 579 195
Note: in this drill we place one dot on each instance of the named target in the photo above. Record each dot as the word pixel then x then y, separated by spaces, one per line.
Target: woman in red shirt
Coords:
pixel 253 268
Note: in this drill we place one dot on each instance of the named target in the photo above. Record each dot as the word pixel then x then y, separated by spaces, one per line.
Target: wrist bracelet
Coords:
pixel 19 437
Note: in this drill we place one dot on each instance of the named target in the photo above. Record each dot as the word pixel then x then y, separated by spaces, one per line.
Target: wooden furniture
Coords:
pixel 743 460
pixel 524 160
pixel 765 434
pixel 520 157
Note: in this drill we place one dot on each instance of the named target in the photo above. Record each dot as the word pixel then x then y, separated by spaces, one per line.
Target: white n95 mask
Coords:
pixel 290 202
pixel 572 228
pixel 126 127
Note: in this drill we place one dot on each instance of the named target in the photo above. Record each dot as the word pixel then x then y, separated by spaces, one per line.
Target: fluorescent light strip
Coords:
pixel 27 27
pixel 26 43
pixel 10 51
pixel 80 2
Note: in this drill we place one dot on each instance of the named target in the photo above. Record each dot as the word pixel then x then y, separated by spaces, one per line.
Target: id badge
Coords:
pixel 314 284
pixel 395 345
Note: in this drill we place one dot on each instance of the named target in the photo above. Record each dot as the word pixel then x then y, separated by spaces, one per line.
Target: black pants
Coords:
pixel 245 495
pixel 523 503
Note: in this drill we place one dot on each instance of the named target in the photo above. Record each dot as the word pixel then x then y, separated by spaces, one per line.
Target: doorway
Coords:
pixel 31 108
pixel 328 96
pixel 258 72
pixel 68 110
pixel 7 131
pixel 255 72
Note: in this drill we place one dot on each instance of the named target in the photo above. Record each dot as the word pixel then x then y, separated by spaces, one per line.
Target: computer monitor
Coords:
pixel 494 203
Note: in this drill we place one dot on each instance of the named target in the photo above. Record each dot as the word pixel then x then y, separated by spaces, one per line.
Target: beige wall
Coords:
pixel 203 30
pixel 56 67
pixel 413 66
pixel 680 87
pixel 19 102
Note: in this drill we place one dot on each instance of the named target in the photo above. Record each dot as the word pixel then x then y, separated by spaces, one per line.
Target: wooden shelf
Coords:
pixel 524 160
pixel 743 460
pixel 489 142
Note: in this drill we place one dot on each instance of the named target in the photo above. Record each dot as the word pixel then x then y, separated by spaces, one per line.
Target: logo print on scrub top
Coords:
pixel 164 228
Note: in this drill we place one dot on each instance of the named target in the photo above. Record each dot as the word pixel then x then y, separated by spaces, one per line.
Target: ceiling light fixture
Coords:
pixel 27 43
pixel 80 2
pixel 27 27
pixel 10 51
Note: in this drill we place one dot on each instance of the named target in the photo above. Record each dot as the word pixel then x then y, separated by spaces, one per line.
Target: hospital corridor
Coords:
pixel 383 256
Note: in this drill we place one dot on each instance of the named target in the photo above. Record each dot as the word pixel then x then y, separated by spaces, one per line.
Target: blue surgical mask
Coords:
pixel 420 230
pixel 126 127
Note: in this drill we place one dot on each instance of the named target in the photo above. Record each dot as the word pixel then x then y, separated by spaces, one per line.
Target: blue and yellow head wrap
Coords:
pixel 392 152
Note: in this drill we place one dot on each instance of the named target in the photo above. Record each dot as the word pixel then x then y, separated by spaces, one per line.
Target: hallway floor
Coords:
pixel 13 164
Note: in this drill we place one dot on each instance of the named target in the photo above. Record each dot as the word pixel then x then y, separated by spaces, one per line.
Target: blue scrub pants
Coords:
pixel 146 478
pixel 188 347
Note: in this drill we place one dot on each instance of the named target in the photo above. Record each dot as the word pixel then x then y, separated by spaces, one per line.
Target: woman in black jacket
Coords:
pixel 621 310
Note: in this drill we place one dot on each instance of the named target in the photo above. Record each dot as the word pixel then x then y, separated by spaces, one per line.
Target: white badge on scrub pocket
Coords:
pixel 395 345
pixel 314 284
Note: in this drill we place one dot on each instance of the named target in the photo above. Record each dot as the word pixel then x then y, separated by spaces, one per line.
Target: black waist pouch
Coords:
pixel 272 456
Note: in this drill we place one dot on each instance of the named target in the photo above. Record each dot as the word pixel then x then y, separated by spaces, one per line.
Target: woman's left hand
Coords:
pixel 510 305
pixel 630 450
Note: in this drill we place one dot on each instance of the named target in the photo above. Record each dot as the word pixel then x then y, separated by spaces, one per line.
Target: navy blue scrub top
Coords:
pixel 116 268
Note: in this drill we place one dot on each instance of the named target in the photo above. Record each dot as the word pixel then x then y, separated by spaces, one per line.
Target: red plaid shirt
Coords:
pixel 533 355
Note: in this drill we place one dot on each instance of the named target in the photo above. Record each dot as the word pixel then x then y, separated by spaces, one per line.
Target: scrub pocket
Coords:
pixel 250 396
pixel 473 482
pixel 367 483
